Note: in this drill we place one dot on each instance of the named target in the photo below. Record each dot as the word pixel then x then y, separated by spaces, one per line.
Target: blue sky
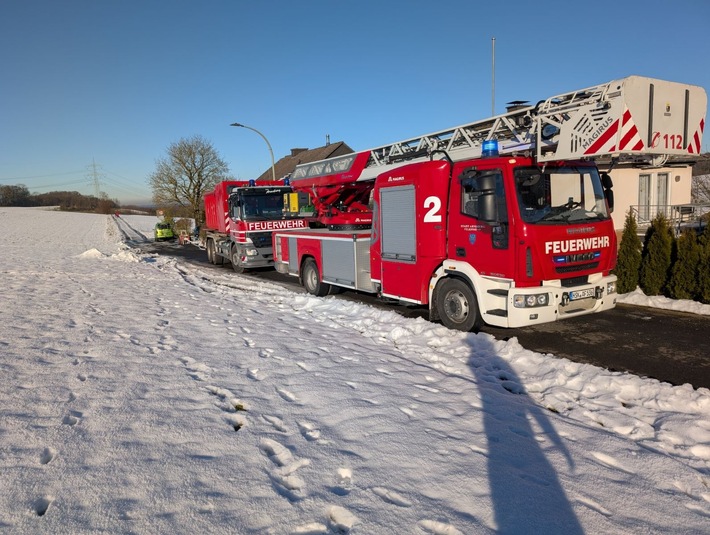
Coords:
pixel 116 82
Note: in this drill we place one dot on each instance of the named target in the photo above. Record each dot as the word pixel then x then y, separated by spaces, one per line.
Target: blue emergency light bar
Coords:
pixel 489 148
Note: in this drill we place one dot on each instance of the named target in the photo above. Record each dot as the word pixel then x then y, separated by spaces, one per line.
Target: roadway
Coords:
pixel 665 345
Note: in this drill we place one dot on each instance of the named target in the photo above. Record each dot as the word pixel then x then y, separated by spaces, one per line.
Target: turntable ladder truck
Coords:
pixel 505 220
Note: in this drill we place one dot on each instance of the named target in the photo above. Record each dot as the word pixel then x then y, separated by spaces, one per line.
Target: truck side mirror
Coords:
pixel 608 191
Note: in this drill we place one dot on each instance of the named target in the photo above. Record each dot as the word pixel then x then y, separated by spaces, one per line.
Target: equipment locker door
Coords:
pixel 399 243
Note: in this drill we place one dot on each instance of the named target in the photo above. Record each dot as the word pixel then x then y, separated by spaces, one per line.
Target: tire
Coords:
pixel 234 259
pixel 310 278
pixel 212 255
pixel 457 306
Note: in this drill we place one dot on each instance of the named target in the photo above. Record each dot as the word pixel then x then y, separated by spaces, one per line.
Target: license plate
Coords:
pixel 581 294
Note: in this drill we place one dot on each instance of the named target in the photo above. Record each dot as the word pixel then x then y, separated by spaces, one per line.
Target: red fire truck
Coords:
pixel 504 221
pixel 240 217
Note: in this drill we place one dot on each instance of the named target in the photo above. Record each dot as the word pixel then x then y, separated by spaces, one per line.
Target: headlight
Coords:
pixel 252 252
pixel 530 301
pixel 611 287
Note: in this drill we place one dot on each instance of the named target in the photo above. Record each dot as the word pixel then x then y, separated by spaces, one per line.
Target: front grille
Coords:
pixel 575 281
pixel 578 267
pixel 260 239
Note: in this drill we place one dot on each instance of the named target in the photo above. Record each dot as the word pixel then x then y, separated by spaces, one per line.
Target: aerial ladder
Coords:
pixel 634 120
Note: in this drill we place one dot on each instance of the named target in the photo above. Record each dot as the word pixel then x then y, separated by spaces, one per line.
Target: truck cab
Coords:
pixel 538 240
pixel 240 218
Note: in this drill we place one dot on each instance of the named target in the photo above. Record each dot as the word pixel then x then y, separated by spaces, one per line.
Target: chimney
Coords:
pixel 294 152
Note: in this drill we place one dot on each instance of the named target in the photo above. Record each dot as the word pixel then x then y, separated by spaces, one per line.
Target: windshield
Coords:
pixel 553 194
pixel 260 207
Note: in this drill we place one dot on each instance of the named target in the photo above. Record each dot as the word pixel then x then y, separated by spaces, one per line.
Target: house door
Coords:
pixel 644 198
pixel 662 193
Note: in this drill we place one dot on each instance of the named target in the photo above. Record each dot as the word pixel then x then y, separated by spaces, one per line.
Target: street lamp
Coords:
pixel 273 168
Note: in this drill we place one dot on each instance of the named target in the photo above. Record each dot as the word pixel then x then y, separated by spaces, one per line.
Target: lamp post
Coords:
pixel 273 167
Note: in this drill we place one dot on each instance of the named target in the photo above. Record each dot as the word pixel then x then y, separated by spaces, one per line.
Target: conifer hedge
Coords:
pixel 629 257
pixel 683 283
pixel 703 288
pixel 656 257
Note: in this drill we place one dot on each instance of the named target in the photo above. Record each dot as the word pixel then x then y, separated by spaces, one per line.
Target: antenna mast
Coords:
pixel 493 79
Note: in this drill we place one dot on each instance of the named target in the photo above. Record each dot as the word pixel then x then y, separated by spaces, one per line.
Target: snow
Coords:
pixel 141 394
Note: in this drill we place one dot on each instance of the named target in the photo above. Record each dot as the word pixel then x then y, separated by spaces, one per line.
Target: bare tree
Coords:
pixel 191 168
pixel 701 189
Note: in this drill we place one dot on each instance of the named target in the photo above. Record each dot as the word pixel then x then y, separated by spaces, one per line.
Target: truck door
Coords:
pixel 479 228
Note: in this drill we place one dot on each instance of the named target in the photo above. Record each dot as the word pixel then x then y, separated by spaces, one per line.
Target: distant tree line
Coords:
pixel 702 165
pixel 19 195
pixel 663 264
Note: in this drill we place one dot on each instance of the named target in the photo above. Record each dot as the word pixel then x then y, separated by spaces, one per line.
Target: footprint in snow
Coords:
pixel 41 506
pixel 72 419
pixel 285 394
pixel 47 456
pixel 698 508
pixel 253 373
pixel 314 528
pixel 409 412
pixel 438 528
pixel 391 496
pixel 275 451
pixel 343 482
pixel 237 421
pixel 309 431
pixel 276 422
pixel 610 462
pixel 287 478
pixel 82 377
pixel 427 388
pixel 341 519
pixel 593 505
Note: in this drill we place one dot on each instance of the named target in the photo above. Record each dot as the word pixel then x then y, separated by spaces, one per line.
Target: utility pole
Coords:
pixel 95 178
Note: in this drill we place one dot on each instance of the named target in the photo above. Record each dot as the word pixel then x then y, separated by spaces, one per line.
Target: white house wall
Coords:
pixel 626 189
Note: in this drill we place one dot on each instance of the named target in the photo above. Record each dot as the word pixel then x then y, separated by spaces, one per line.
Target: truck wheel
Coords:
pixel 212 255
pixel 210 251
pixel 311 279
pixel 457 306
pixel 234 259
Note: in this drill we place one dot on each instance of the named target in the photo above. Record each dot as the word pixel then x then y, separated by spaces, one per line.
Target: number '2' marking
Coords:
pixel 434 205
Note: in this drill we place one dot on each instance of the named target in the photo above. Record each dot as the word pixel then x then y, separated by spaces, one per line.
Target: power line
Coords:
pixel 83 181
pixel 38 176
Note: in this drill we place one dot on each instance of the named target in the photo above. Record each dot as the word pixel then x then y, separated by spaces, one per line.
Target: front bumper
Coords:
pixel 563 302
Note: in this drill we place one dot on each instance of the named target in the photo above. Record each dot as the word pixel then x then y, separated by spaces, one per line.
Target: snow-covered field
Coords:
pixel 143 395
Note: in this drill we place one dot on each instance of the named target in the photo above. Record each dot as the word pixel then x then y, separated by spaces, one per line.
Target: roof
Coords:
pixel 287 164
